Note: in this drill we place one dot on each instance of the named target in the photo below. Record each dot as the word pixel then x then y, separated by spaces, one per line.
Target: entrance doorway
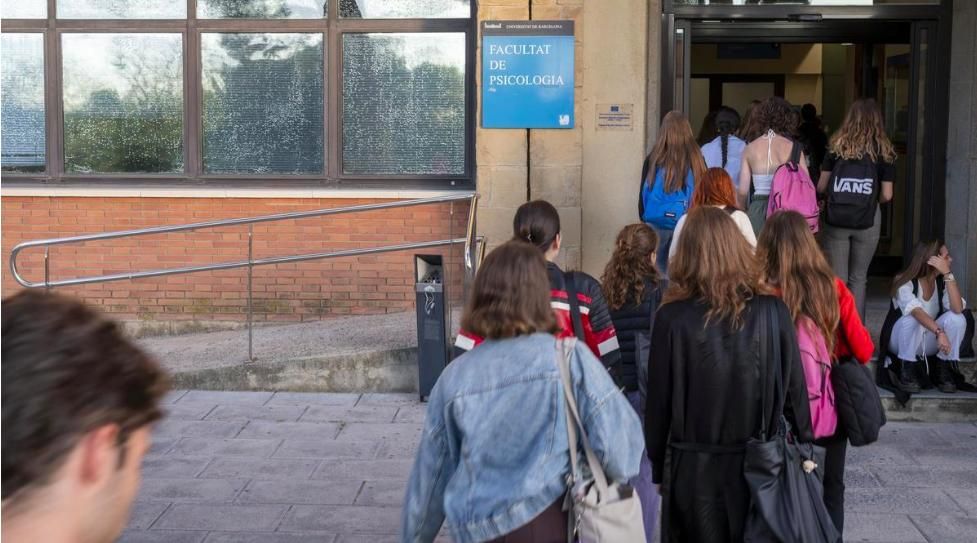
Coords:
pixel 716 56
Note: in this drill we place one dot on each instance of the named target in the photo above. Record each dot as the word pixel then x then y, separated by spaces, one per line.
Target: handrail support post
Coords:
pixel 47 267
pixel 250 295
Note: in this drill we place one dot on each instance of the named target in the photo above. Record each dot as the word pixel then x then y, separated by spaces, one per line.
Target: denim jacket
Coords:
pixel 494 451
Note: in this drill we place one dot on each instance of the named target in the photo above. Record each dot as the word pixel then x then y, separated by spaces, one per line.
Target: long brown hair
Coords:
pixel 919 264
pixel 863 134
pixel 714 264
pixel 511 294
pixel 677 152
pixel 750 128
pixel 630 266
pixel 792 261
pixel 714 189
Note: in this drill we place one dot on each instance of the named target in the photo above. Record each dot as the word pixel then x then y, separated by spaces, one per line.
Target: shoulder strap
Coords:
pixel 795 153
pixel 600 479
pixel 574 302
pixel 916 288
pixel 768 327
pixel 641 187
pixel 940 287
pixel 729 209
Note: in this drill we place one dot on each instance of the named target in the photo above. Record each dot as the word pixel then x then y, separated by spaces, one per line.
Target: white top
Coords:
pixel 742 222
pixel 906 302
pixel 712 152
pixel 763 181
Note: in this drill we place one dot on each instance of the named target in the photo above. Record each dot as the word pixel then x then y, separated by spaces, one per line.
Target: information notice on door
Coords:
pixel 615 117
pixel 527 74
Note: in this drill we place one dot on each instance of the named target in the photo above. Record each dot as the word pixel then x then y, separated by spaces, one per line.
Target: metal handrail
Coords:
pixel 469 240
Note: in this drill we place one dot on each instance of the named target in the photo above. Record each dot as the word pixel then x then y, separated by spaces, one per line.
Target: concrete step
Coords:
pixel 931 406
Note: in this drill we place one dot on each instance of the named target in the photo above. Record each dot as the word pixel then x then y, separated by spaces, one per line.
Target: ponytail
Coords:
pixel 537 223
pixel 724 139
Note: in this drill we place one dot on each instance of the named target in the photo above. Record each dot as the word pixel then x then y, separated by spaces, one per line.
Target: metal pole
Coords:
pixel 250 303
pixel 47 268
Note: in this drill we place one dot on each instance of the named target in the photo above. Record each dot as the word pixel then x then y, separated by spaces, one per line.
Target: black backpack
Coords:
pixel 853 194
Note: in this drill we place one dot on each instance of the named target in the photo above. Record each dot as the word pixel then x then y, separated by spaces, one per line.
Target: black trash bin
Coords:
pixel 432 321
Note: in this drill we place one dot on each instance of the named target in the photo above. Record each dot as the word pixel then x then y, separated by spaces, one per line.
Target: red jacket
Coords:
pixel 853 338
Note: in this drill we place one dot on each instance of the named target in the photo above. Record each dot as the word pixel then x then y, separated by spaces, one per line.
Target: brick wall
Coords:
pixel 285 292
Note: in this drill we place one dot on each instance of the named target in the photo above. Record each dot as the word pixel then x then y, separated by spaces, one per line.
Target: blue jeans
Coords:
pixel 647 491
pixel 664 243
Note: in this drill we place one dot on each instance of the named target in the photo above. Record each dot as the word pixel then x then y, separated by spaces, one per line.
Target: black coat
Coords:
pixel 629 321
pixel 704 393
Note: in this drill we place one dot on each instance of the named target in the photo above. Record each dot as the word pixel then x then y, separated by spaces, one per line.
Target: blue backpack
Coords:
pixel 663 209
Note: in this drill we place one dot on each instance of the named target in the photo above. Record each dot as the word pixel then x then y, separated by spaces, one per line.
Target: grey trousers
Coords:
pixel 850 252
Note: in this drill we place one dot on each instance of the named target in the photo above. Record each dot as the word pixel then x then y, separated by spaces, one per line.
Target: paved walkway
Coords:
pixel 236 467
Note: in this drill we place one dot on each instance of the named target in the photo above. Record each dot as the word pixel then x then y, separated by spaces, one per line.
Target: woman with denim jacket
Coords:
pixel 494 455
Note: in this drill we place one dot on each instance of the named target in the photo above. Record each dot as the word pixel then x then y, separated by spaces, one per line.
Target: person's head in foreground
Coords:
pixel 79 400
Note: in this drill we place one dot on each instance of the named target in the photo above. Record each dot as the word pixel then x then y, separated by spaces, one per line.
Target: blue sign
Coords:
pixel 527 74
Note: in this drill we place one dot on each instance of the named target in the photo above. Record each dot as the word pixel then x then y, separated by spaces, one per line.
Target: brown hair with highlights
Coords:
pixel 511 294
pixel 793 262
pixel 677 152
pixel 630 266
pixel 863 134
pixel 919 263
pixel 714 264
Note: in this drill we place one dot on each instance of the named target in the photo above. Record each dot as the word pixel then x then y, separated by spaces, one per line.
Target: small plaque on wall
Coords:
pixel 615 117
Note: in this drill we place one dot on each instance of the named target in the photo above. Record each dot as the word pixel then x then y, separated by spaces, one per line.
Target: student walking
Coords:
pixel 716 190
pixel 494 457
pixel 764 155
pixel 824 314
pixel 633 289
pixel 668 177
pixel 857 175
pixel 925 319
pixel 584 315
pixel 704 387
pixel 726 149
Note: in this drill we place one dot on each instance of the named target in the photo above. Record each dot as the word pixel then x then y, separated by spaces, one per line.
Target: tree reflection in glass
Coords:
pixel 22 104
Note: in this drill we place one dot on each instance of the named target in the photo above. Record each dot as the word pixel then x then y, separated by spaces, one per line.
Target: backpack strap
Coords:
pixel 940 289
pixel 641 187
pixel 729 210
pixel 574 302
pixel 795 153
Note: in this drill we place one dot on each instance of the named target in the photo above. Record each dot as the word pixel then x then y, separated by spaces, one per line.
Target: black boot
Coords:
pixel 944 377
pixel 907 376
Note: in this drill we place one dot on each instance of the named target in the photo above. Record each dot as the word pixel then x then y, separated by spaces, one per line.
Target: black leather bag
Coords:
pixel 787 503
pixel 857 402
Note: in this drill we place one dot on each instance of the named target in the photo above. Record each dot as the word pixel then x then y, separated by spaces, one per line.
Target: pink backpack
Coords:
pixel 817 373
pixel 792 189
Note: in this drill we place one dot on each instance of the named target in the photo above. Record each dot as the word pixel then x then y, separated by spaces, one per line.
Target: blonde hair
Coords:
pixel 863 134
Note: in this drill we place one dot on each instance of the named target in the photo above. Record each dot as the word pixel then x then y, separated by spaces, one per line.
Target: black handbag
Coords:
pixel 787 503
pixel 857 401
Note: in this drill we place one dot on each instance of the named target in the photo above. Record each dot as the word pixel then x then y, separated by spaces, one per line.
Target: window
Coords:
pixel 22 110
pixel 319 92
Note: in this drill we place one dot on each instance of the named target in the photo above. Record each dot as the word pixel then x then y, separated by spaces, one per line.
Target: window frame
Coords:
pixel 331 28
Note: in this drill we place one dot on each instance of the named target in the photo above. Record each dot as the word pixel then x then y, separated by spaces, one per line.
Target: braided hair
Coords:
pixel 727 121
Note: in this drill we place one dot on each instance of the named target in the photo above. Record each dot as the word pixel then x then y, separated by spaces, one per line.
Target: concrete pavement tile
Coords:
pixel 918 477
pixel 161 445
pixel 899 500
pixel 162 536
pixel 170 466
pixel 904 435
pixel 173 396
pixel 307 537
pixel 220 397
pixel 301 492
pixel 293 430
pixel 203 428
pixel 960 434
pixel 344 519
pixel 306 448
pixel 191 490
pixel 383 493
pixel 396 399
pixel 361 538
pixel 860 478
pixel 314 398
pixel 144 514
pixel 946 528
pixel 364 470
pixel 944 457
pixel 360 413
pixel 410 413
pixel 227 518
pixel 965 498
pixel 392 450
pixel 189 411
pixel 274 413
pixel 260 468
pixel 369 431
pixel 226 447
pixel 879 455
pixel 881 528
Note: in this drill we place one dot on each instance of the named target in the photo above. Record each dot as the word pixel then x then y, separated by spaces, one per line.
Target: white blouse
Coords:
pixel 907 302
pixel 741 219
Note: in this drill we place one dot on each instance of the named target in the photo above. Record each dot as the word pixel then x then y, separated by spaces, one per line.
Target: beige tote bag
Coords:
pixel 600 512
